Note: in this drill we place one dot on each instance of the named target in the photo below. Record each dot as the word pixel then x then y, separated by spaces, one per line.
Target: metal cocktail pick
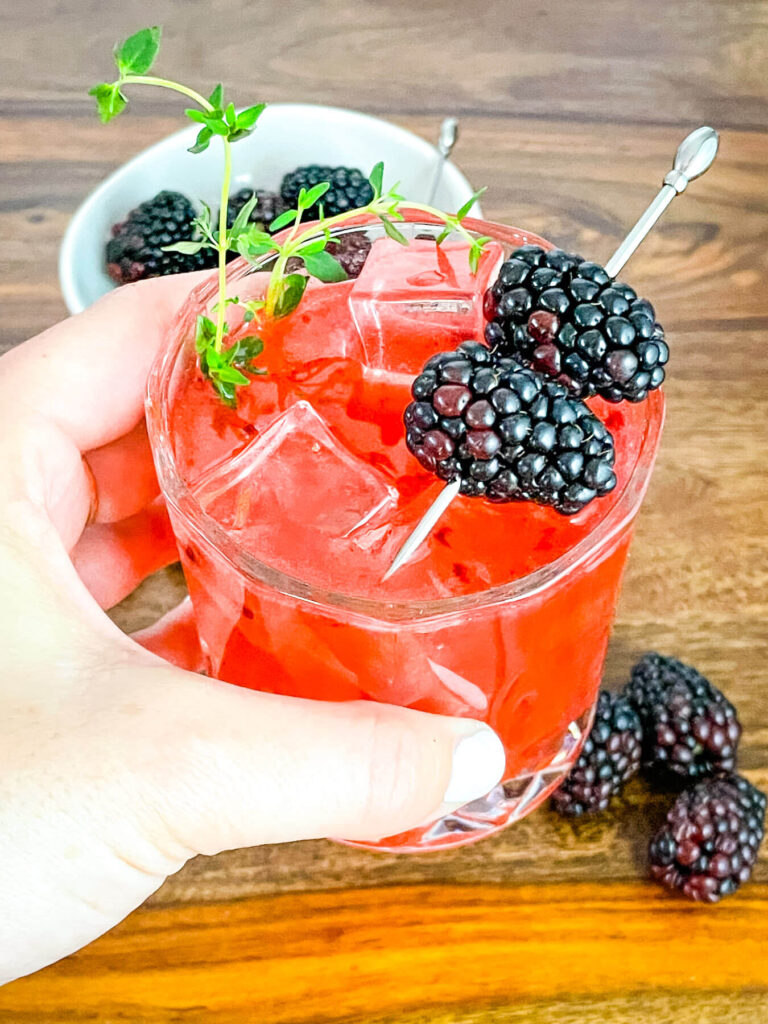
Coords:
pixel 694 155
pixel 449 133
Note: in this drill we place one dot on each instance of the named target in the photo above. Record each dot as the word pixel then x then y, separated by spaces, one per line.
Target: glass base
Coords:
pixel 510 801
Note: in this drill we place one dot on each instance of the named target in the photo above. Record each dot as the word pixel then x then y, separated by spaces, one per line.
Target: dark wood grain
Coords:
pixel 570 114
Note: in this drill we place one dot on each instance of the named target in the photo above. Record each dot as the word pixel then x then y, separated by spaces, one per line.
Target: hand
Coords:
pixel 116 766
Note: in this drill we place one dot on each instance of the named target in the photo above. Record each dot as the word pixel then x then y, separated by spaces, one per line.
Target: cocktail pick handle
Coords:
pixel 694 155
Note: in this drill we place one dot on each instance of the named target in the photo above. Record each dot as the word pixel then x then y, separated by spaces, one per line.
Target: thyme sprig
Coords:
pixel 232 367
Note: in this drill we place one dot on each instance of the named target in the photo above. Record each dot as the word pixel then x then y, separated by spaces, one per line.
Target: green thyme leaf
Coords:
pixel 196 115
pixel 314 245
pixel 462 212
pixel 232 300
pixel 290 291
pixel 137 54
pixel 188 248
pixel 476 251
pixel 283 219
pixel 309 197
pixel 203 223
pixel 231 375
pixel 253 242
pixel 217 97
pixel 226 392
pixel 247 118
pixel 241 220
pixel 251 309
pixel 204 137
pixel 109 100
pixel 444 234
pixel 376 178
pixel 254 235
pixel 323 266
pixel 217 125
pixel 394 195
pixel 245 352
pixel 392 231
pixel 253 250
pixel 205 333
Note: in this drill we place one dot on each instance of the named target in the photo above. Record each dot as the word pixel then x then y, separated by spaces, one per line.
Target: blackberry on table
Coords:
pixel 610 756
pixel 349 189
pixel 564 315
pixel 690 729
pixel 135 250
pixel 269 205
pixel 710 841
pixel 507 432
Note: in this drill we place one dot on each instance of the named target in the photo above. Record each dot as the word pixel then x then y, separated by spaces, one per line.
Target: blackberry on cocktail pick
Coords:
pixel 694 155
pixel 507 433
pixel 709 843
pixel 565 316
pixel 609 758
pixel 690 728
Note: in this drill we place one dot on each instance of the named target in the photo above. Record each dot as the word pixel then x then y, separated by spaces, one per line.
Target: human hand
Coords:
pixel 116 766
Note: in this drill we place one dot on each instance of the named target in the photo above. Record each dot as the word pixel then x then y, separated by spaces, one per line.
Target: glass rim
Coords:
pixel 181 499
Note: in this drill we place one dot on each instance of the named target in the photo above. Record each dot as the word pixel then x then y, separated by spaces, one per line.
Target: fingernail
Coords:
pixel 478 764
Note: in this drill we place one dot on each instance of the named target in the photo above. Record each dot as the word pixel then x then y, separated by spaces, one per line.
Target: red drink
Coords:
pixel 289 511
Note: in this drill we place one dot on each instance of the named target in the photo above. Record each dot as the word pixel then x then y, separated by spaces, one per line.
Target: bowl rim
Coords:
pixel 181 499
pixel 69 254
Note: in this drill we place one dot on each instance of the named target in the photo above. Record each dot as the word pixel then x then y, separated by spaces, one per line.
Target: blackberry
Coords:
pixel 709 843
pixel 507 432
pixel 351 250
pixel 269 205
pixel 349 189
pixel 610 756
pixel 135 250
pixel 690 729
pixel 564 316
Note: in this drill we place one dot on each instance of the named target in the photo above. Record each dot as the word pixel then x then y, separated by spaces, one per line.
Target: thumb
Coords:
pixel 240 768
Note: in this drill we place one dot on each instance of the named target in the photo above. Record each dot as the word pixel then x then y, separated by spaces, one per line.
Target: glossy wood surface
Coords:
pixel 570 113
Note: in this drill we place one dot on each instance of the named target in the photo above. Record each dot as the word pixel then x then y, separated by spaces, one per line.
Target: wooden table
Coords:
pixel 570 113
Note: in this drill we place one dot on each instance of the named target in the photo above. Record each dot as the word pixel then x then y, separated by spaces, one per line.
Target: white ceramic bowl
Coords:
pixel 288 135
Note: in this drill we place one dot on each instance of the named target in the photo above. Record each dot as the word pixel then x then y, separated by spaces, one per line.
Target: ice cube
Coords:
pixel 295 494
pixel 412 301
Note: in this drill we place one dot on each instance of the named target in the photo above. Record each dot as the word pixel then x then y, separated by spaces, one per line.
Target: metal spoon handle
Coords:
pixel 694 155
pixel 449 133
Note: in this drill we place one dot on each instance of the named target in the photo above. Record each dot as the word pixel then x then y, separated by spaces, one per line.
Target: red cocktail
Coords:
pixel 289 510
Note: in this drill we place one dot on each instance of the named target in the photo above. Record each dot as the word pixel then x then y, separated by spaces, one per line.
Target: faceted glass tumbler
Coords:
pixel 526 657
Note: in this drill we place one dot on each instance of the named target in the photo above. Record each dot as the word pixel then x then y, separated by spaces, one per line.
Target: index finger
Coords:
pixel 88 374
